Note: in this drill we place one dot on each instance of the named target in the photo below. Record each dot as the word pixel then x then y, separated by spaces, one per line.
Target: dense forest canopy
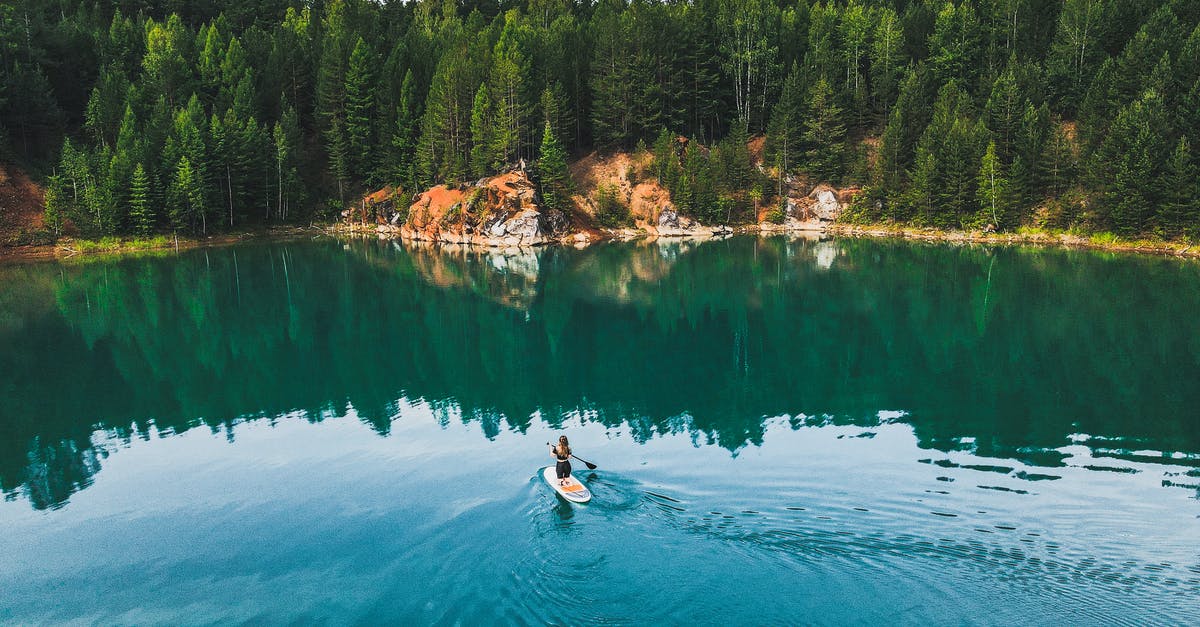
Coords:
pixel 147 115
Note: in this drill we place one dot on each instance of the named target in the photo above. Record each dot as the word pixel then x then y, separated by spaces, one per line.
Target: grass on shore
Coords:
pixel 1037 235
pixel 118 244
pixel 1106 239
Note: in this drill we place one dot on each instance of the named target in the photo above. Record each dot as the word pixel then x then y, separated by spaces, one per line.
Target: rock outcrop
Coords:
pixel 671 223
pixel 825 206
pixel 503 210
pixel 814 211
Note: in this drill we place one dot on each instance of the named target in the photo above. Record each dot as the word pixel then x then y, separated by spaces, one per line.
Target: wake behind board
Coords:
pixel 574 490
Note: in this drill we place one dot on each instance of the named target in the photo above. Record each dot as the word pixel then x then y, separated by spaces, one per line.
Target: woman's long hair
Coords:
pixel 563 448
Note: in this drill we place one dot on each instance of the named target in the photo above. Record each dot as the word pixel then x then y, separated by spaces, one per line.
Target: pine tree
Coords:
pixel 120 47
pixel 555 110
pixel 331 91
pixel 1075 51
pixel 141 211
pixel 286 136
pixel 945 174
pixel 236 81
pixel 116 182
pixel 1058 162
pixel 993 191
pixel 1026 170
pixel 211 54
pixel 54 201
pixel 954 48
pixel 128 143
pixel 185 199
pixel 222 151
pixel 854 28
pixel 552 170
pixel 783 131
pixel 107 102
pixel 666 161
pixel 76 178
pixel 100 197
pixel 360 107
pixel 824 133
pixel 253 167
pixel 887 58
pixel 290 67
pixel 736 171
pixel 611 79
pixel 1179 212
pixel 1003 111
pixel 482 161
pixel 166 69
pixel 906 122
pixel 510 77
pixel 442 151
pixel 697 194
pixel 400 169
pixel 1128 164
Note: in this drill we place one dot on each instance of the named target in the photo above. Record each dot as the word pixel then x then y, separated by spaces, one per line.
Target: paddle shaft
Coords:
pixel 590 465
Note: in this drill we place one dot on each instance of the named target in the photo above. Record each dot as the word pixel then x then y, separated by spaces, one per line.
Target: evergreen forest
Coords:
pixel 145 116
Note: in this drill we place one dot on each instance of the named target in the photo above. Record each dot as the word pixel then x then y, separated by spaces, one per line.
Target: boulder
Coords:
pixel 668 217
pixel 826 208
pixel 526 225
pixel 671 224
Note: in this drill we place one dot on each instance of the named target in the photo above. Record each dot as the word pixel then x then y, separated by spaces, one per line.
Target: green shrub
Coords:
pixel 776 216
pixel 611 211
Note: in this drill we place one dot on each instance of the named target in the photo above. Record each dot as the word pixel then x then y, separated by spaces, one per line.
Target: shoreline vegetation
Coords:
pixel 1104 241
pixel 70 248
pixel 83 249
pixel 1048 238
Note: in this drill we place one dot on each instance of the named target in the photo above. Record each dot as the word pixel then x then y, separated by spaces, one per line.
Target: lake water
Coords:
pixel 819 432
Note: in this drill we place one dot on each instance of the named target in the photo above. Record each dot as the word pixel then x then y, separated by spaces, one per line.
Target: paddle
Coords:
pixel 590 465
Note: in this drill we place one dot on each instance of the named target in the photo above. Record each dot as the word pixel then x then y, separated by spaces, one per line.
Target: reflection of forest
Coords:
pixel 1016 348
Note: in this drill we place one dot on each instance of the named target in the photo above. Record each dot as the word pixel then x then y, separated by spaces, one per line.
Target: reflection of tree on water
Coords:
pixel 1015 348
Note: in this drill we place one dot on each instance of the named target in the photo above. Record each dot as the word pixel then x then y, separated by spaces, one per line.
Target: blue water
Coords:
pixel 787 431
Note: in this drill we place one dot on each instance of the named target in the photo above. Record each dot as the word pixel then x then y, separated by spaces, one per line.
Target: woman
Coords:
pixel 562 454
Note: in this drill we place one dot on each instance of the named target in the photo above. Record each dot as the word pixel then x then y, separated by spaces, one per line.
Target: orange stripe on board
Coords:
pixel 572 488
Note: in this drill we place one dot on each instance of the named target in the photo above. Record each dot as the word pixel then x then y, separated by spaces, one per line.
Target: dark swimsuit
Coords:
pixel 563 468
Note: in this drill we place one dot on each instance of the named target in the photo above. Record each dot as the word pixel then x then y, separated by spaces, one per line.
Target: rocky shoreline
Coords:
pixel 505 211
pixel 584 238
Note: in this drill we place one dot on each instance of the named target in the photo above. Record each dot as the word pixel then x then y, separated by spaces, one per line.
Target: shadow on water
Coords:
pixel 1006 353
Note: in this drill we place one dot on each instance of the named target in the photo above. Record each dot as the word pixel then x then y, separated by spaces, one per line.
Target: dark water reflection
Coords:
pixel 1008 353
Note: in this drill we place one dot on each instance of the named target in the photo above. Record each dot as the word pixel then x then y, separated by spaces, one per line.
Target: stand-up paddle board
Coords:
pixel 574 490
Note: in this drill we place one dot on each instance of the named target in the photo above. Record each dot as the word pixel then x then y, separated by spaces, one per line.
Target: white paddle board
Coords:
pixel 573 490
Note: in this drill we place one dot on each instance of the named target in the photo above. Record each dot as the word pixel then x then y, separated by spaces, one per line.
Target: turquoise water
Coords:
pixel 796 431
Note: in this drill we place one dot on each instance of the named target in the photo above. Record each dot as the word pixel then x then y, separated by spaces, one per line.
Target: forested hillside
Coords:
pixel 151 115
